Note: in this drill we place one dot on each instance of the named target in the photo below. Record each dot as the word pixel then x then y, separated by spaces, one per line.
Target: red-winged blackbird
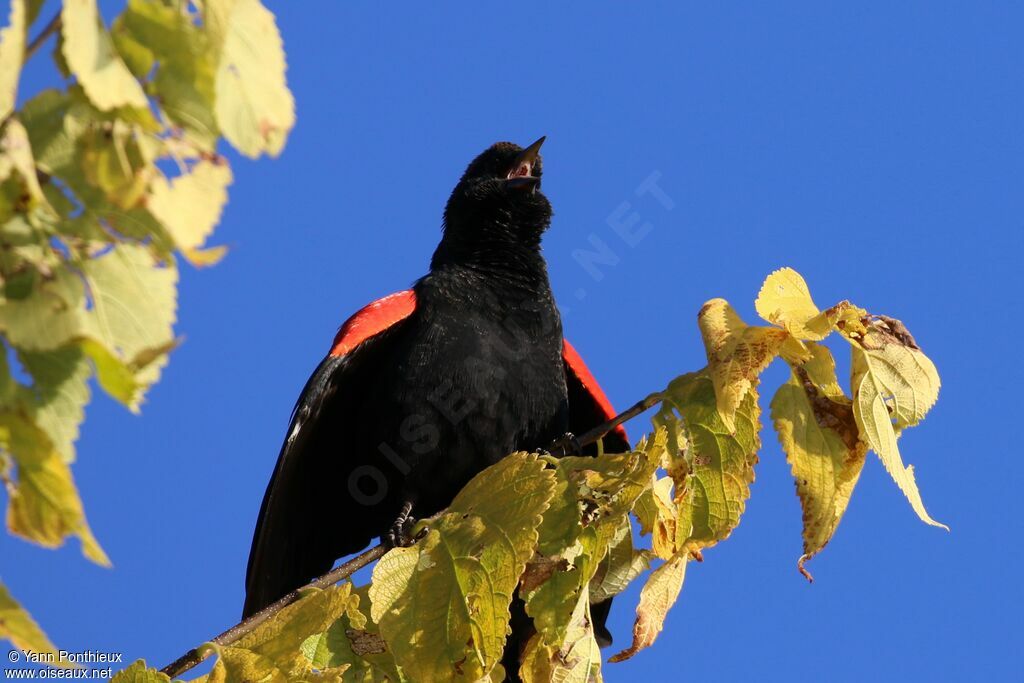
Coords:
pixel 425 388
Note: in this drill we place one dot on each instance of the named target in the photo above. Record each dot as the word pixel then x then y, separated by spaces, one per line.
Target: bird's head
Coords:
pixel 498 198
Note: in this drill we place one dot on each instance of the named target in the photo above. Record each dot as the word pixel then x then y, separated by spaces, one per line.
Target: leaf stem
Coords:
pixel 52 27
pixel 197 654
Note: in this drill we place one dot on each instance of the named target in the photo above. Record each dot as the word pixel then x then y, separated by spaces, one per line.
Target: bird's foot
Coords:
pixel 567 444
pixel 399 535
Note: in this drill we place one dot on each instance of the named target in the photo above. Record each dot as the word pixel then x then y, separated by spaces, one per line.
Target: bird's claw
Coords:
pixel 400 535
pixel 567 444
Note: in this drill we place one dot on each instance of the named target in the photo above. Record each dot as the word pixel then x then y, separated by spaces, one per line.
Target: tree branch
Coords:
pixel 52 27
pixel 197 654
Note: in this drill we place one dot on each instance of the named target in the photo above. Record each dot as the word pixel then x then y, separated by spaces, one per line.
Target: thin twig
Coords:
pixel 592 436
pixel 197 654
pixel 52 27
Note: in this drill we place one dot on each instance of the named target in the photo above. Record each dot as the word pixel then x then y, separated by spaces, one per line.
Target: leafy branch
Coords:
pixel 558 531
pixel 105 184
pixel 197 655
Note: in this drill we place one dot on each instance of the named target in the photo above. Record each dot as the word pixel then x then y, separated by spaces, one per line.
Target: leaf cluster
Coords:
pixel 559 533
pixel 104 183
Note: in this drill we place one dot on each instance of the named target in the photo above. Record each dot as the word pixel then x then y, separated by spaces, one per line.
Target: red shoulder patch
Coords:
pixel 575 363
pixel 373 319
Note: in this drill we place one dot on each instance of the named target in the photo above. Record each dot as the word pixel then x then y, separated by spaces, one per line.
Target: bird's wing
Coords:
pixel 292 543
pixel 588 405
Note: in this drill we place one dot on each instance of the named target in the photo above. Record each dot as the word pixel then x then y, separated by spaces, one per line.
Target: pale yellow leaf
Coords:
pixel 134 306
pixel 656 598
pixel 737 353
pixel 255 110
pixel 12 50
pixel 49 317
pixel 190 206
pixel 894 385
pixel 91 57
pixel 785 300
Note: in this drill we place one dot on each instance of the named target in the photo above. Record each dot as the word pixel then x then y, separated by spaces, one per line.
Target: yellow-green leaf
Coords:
pixel 138 672
pixel 238 665
pixel 12 50
pixel 621 564
pixel 58 394
pixel 737 353
pixel 255 110
pixel 16 155
pixel 134 302
pixel 49 317
pixel 656 598
pixel 114 161
pixel 44 505
pixel 894 385
pixel 48 119
pixel 91 57
pixel 819 435
pixel 279 640
pixel 18 626
pixel 712 489
pixel 576 659
pixel 190 205
pixel 353 645
pixel 598 495
pixel 785 300
pixel 447 597
pixel 275 650
pixel 656 512
pixel 184 83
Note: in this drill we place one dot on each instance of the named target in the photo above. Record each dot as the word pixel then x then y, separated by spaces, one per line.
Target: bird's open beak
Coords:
pixel 521 173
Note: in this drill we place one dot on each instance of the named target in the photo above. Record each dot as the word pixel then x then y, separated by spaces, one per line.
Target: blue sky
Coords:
pixel 877 151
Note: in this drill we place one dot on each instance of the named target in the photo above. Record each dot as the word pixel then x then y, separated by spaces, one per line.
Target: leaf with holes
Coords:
pixel 656 598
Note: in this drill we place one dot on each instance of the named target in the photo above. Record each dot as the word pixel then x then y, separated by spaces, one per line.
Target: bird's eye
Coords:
pixel 521 171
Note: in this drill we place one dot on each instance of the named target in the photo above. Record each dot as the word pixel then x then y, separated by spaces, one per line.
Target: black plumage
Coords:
pixel 471 371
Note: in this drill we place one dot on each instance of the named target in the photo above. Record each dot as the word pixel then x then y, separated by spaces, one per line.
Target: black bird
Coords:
pixel 425 388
